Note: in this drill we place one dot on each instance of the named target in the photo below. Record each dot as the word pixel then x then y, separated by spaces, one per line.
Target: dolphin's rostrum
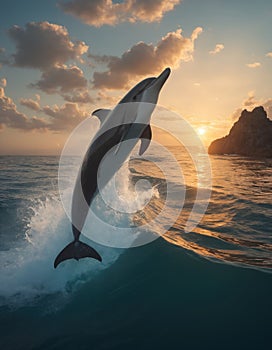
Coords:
pixel 122 123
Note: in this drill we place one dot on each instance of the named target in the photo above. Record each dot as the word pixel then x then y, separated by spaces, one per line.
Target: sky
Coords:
pixel 62 59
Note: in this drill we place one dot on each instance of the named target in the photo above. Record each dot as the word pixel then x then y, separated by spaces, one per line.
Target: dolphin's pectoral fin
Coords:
pixel 76 250
pixel 145 139
pixel 101 114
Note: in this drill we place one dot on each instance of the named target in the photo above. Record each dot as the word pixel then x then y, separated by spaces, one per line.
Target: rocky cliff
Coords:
pixel 251 135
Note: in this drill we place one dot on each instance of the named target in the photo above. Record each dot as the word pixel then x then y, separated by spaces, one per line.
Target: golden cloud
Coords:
pixel 42 45
pixel 100 12
pixel 145 59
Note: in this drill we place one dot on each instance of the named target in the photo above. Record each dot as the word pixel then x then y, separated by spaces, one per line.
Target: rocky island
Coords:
pixel 251 135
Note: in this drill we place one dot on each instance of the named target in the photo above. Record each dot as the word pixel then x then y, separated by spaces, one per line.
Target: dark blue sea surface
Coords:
pixel 206 289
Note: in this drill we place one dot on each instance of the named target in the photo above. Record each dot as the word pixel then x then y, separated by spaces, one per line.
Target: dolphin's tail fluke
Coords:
pixel 76 250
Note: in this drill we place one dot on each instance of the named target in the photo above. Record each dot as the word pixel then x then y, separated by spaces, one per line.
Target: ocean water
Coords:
pixel 210 288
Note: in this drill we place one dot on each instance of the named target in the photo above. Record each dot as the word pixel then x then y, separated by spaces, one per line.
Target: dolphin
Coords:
pixel 127 121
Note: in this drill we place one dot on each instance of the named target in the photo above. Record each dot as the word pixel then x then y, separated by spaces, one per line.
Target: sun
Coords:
pixel 201 131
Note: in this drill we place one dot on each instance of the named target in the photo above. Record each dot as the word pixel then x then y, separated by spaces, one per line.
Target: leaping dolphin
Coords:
pixel 126 121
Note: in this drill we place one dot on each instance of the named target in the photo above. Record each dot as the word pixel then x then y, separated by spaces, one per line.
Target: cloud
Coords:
pixel 267 104
pixel 69 82
pixel 149 11
pixel 65 117
pixel 79 97
pixel 31 104
pixel 47 46
pixel 62 118
pixel 61 79
pixel 251 102
pixel 11 117
pixel 43 45
pixel 218 48
pixel 3 82
pixel 269 54
pixel 142 59
pixel 104 97
pixel 99 12
pixel 253 65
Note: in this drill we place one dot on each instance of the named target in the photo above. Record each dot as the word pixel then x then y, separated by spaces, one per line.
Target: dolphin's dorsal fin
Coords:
pixel 145 139
pixel 101 114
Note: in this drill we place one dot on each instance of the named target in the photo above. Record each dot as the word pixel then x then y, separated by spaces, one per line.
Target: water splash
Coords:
pixel 27 271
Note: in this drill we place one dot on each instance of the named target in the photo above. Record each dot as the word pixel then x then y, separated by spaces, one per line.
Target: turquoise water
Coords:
pixel 210 288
